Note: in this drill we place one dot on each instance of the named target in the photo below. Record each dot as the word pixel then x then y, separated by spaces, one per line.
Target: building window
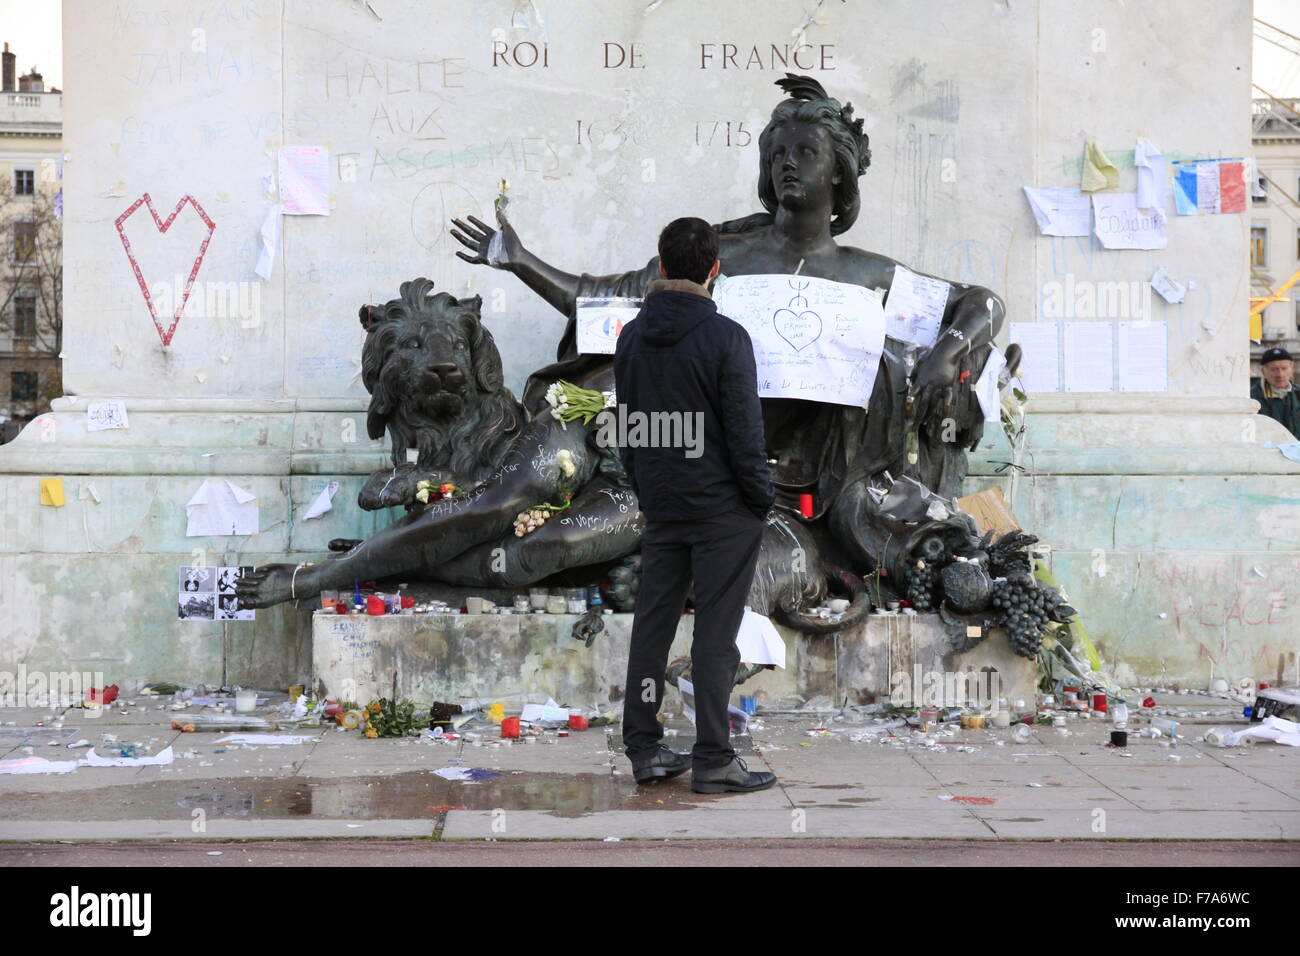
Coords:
pixel 1259 195
pixel 24 240
pixel 25 317
pixel 23 386
pixel 1259 246
pixel 24 182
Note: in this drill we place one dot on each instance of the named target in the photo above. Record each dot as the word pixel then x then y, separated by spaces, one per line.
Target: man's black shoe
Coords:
pixel 734 777
pixel 660 765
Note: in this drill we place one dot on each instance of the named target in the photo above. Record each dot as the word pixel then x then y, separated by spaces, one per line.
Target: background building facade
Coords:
pixel 31 246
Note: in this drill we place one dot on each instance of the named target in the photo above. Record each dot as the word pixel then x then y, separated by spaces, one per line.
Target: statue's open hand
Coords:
pixel 934 391
pixel 478 237
pixel 267 585
pixel 390 487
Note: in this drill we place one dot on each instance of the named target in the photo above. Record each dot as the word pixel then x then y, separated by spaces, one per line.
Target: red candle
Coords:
pixel 806 505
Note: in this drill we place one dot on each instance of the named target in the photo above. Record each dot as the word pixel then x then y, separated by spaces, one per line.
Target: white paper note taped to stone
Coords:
pixel 1040 369
pixel 221 507
pixel 304 181
pixel 1143 356
pixel 1089 356
pixel 914 307
pixel 1060 210
pixel 101 416
pixel 1120 224
pixel 600 319
pixel 813 338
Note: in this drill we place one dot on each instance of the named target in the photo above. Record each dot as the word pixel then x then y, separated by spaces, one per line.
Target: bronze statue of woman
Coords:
pixel 919 420
pixel 811 155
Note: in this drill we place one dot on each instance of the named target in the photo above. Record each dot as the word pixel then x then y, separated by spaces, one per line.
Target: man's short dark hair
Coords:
pixel 688 247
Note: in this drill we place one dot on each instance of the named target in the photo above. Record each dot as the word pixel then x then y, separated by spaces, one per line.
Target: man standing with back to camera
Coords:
pixel 705 506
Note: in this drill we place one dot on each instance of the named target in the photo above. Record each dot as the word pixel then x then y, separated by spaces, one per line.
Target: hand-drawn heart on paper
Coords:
pixel 800 329
pixel 162 227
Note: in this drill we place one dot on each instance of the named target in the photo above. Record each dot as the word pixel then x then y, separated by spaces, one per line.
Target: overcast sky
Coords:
pixel 32 27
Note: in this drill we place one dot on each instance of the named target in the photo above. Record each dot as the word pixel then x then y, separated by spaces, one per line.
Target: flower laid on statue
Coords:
pixel 564 458
pixel 425 490
pixel 569 402
pixel 526 522
pixel 611 398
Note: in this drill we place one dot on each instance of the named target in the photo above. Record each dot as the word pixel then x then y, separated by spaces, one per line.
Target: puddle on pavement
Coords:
pixel 400 796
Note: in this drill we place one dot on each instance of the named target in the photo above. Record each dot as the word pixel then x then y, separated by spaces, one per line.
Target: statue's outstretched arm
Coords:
pixel 561 289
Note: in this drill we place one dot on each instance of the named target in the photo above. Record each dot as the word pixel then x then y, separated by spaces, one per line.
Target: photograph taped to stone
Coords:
pixel 193 580
pixel 197 607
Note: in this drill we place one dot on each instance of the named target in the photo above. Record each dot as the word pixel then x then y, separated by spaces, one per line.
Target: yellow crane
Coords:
pixel 1259 303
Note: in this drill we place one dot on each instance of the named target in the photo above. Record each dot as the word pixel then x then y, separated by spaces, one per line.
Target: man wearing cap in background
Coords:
pixel 1277 396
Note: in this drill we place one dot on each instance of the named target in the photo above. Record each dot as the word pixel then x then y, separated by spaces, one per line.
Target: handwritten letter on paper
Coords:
pixel 914 307
pixel 1122 225
pixel 304 181
pixel 813 338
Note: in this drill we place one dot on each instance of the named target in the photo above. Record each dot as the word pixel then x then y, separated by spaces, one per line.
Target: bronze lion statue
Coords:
pixel 435 382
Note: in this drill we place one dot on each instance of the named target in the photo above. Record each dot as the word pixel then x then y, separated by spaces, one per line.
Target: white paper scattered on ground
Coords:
pixel 162 758
pixel 304 181
pixel 549 712
pixel 813 339
pixel 101 416
pixel 37 765
pixel 600 320
pixel 739 719
pixel 1152 176
pixel 1143 356
pixel 269 740
pixel 914 307
pixel 1089 363
pixel 324 501
pixel 1060 210
pixel 1122 225
pixel 221 507
pixel 986 389
pixel 1278 730
pixel 1040 369
pixel 270 242
pixel 453 773
pixel 759 641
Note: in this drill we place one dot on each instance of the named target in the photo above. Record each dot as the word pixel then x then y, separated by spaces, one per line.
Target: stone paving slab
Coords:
pixel 215 829
pixel 1014 798
pixel 1143 824
pixel 708 824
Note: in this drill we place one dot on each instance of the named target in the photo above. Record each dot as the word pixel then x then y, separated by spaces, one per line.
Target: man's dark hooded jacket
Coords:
pixel 681 355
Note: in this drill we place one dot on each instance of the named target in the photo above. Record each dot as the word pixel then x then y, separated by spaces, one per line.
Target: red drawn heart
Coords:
pixel 163 226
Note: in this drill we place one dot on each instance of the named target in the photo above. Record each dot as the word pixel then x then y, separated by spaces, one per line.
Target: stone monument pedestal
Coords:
pixel 448 657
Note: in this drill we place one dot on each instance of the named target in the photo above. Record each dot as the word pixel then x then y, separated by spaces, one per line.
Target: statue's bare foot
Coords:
pixel 267 585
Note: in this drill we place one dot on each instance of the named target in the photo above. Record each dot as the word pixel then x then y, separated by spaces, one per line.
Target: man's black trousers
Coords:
pixel 719 554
